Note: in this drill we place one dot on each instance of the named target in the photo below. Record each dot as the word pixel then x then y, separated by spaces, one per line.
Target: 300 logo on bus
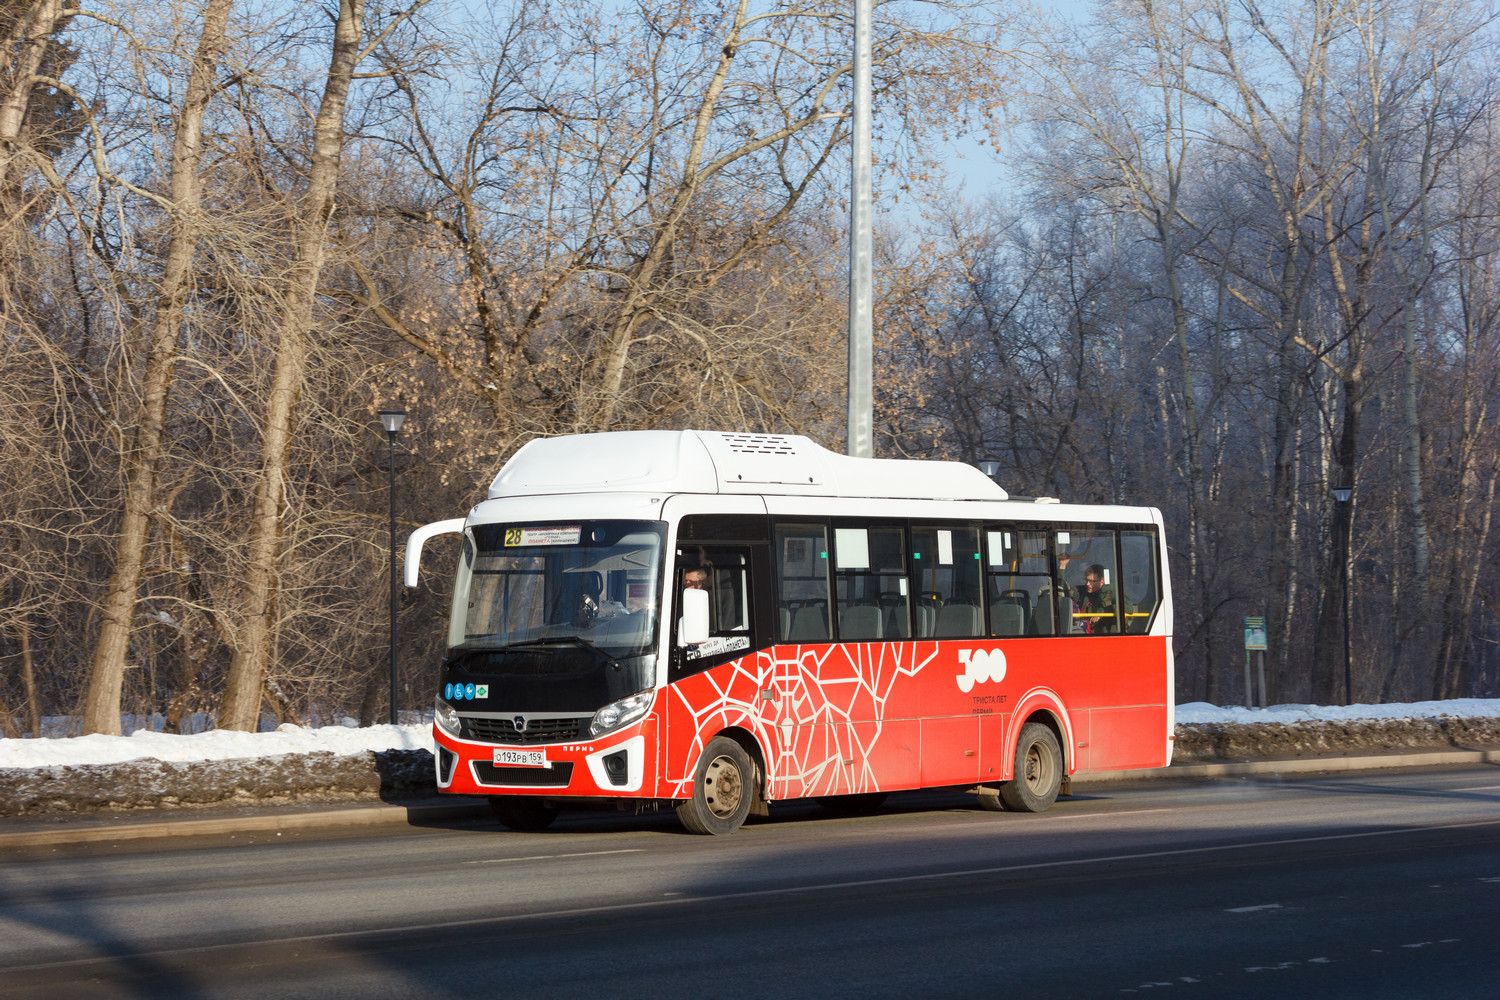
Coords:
pixel 980 665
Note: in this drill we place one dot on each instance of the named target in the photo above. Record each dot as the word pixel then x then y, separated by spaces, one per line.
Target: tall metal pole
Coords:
pixel 1343 494
pixel 1348 600
pixel 861 255
pixel 392 420
pixel 391 492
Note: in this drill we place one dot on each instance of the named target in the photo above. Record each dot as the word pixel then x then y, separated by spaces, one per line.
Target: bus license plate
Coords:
pixel 521 758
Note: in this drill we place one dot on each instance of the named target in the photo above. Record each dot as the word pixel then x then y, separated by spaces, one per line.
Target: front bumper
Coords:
pixel 613 765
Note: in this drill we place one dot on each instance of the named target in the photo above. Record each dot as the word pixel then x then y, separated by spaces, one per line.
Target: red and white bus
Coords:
pixel 721 621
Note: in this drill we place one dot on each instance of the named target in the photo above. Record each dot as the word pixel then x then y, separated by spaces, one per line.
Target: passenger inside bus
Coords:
pixel 1095 601
pixel 725 576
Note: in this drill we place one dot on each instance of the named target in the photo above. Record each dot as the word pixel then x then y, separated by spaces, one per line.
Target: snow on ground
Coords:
pixel 216 744
pixel 223 744
pixel 1458 708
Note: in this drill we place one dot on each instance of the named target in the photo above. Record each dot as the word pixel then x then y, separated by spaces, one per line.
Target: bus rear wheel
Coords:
pixel 1039 771
pixel 723 790
pixel 522 812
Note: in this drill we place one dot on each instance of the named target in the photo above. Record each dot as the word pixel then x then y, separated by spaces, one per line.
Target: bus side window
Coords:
pixel 1138 579
pixel 725 574
pixel 1088 582
pixel 1020 586
pixel 870 583
pixel 801 554
pixel 948 578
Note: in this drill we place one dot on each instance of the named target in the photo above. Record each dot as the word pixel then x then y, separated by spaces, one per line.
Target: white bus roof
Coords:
pixel 715 462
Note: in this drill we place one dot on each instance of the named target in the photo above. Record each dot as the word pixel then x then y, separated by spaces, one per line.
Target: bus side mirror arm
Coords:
pixel 692 629
pixel 416 539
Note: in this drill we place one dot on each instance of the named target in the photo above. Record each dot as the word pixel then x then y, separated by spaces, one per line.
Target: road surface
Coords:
pixel 1382 884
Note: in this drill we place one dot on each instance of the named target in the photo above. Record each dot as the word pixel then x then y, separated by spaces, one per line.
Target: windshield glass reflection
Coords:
pixel 592 583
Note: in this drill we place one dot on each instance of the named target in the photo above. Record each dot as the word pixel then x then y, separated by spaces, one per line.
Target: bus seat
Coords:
pixel 896 624
pixel 809 622
pixel 859 621
pixel 1041 622
pixel 958 620
pixel 1007 618
pixel 926 617
pixel 1021 600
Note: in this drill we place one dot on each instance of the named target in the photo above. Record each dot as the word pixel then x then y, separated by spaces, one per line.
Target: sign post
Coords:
pixel 1255 639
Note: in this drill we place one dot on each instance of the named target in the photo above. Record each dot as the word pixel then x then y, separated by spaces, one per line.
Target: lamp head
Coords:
pixel 392 420
pixel 1343 493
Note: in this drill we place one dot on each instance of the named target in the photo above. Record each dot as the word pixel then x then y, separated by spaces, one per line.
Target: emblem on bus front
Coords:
pixel 980 665
pixel 520 722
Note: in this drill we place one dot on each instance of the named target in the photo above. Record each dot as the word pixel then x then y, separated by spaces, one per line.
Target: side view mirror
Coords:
pixel 418 538
pixel 692 628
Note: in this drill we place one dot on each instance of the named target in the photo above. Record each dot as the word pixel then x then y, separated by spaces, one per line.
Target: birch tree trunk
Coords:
pixel 28 39
pixel 142 456
pixel 240 708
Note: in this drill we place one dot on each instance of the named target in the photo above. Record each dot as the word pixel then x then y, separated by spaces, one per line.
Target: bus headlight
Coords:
pixel 617 714
pixel 446 716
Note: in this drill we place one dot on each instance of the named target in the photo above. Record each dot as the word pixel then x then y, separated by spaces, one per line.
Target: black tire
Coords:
pixel 723 790
pixel 853 805
pixel 1039 771
pixel 522 812
pixel 989 798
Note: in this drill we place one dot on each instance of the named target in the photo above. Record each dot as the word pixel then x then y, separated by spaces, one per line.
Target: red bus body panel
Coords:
pixel 838 719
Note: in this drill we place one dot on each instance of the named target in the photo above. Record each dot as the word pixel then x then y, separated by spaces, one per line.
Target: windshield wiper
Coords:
pixel 567 640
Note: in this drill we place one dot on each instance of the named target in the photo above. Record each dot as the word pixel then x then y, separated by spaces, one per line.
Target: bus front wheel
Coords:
pixel 1039 771
pixel 723 790
pixel 522 812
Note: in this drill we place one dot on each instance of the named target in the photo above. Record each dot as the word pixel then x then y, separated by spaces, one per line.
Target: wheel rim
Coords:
pixel 1038 768
pixel 723 787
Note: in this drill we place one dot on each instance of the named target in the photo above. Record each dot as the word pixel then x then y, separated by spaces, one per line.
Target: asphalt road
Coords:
pixel 1370 885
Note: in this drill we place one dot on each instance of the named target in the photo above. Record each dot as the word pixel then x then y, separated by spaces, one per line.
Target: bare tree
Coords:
pixel 309 239
pixel 141 459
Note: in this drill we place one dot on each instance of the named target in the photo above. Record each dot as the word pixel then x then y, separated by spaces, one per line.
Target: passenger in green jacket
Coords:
pixel 1095 603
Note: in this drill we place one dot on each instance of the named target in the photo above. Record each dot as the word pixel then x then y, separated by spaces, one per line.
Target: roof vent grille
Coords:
pixel 760 444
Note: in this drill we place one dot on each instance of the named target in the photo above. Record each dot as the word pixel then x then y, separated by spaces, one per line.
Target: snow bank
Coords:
pixel 216 744
pixel 1459 708
pixel 221 744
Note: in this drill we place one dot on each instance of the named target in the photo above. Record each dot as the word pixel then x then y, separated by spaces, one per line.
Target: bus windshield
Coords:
pixel 593 583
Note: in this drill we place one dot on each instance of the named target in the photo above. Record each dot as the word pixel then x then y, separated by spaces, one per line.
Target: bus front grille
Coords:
pixel 556 776
pixel 536 731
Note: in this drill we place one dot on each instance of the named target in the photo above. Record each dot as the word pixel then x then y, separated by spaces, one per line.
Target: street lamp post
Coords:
pixel 1342 495
pixel 861 441
pixel 392 420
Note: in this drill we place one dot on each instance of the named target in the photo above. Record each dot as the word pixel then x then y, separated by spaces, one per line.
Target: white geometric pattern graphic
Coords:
pixel 803 704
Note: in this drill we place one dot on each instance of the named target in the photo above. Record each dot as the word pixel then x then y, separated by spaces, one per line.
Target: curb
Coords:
pixel 386 815
pixel 361 816
pixel 1376 762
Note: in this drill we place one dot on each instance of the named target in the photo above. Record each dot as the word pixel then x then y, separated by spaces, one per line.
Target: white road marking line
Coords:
pixel 549 857
pixel 978 821
pixel 1106 815
pixel 1254 909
